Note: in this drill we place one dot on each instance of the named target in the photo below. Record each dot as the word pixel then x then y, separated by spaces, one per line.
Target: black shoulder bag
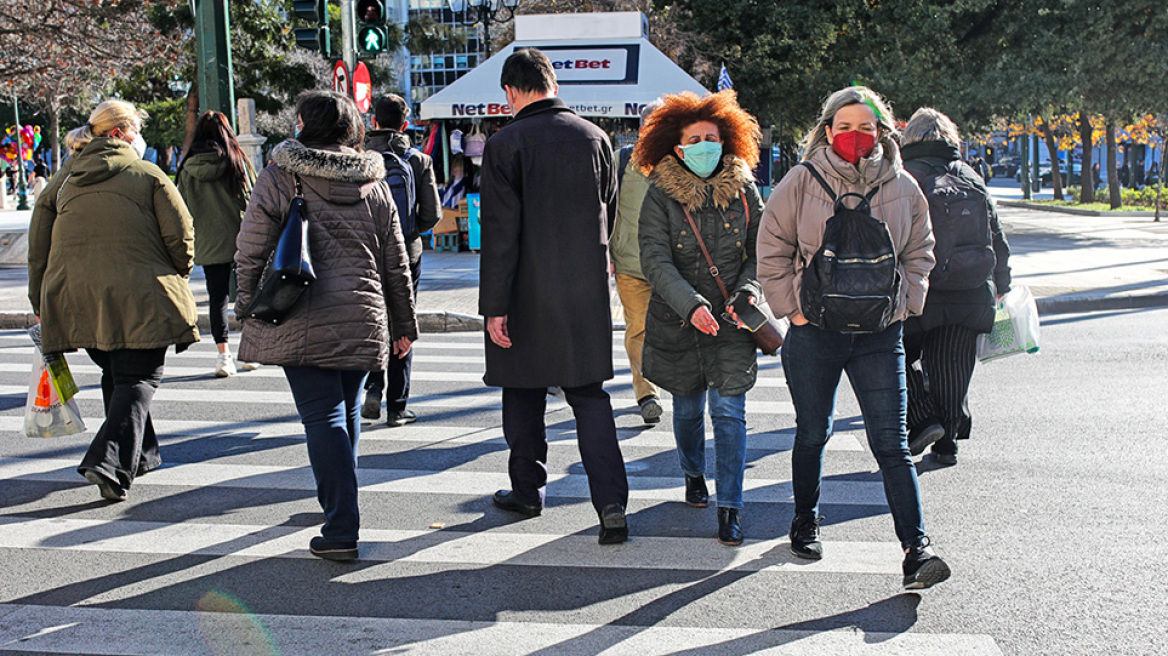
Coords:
pixel 289 269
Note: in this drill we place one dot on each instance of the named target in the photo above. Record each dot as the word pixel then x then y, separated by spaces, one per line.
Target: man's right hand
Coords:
pixel 798 319
pixel 497 329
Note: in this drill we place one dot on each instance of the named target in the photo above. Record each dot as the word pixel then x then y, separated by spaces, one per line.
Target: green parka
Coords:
pixel 110 249
pixel 678 357
pixel 216 206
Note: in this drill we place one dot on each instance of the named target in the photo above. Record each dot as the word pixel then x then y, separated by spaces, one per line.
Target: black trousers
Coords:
pixel 126 445
pixel 394 382
pixel 524 430
pixel 219 289
pixel 938 393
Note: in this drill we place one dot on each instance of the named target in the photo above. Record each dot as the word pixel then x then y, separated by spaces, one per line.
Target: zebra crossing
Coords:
pixel 209 553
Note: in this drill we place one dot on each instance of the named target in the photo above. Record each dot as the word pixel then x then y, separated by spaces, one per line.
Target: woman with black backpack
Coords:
pixel 844 251
pixel 972 272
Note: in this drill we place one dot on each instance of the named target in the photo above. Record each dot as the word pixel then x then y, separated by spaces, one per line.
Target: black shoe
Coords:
pixel 923 568
pixel 946 459
pixel 805 537
pixel 110 490
pixel 395 418
pixel 322 548
pixel 614 528
pixel 729 531
pixel 696 493
pixel 925 437
pixel 505 499
pixel 651 410
pixel 371 409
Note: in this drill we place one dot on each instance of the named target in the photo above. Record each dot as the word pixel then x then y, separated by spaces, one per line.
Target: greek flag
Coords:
pixel 724 80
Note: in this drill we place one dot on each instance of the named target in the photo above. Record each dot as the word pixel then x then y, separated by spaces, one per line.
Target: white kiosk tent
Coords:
pixel 604 65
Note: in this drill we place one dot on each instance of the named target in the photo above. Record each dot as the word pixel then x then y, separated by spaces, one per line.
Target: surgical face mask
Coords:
pixel 139 145
pixel 702 157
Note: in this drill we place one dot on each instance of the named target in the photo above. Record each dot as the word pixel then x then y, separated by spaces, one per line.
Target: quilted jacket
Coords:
pixel 357 251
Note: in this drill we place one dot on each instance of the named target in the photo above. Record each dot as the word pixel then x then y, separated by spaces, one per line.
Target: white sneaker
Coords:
pixel 250 366
pixel 225 365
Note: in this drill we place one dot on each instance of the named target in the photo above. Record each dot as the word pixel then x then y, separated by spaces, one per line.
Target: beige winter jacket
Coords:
pixel 798 209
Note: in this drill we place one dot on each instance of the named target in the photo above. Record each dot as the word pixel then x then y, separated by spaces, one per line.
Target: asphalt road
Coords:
pixel 1053 523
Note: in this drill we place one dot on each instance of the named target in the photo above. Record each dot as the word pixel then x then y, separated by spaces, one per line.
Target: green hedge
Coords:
pixel 1145 197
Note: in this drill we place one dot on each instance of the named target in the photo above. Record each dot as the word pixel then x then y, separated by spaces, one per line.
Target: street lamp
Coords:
pixel 488 11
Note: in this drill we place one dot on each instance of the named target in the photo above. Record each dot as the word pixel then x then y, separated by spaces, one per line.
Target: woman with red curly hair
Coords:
pixel 698 154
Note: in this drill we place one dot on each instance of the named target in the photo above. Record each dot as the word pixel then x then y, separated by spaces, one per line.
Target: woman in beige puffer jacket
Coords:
pixel 853 149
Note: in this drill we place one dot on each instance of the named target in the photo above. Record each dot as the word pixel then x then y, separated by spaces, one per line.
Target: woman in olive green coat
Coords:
pixel 215 179
pixel 110 249
pixel 699 153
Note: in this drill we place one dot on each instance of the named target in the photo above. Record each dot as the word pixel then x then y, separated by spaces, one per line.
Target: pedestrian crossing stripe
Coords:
pixel 448 481
pixel 423 434
pixel 79 629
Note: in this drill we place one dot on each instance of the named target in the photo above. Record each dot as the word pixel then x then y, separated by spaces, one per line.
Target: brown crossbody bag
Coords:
pixel 766 331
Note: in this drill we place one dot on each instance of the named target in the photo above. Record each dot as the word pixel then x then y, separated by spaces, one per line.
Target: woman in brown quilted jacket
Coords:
pixel 337 330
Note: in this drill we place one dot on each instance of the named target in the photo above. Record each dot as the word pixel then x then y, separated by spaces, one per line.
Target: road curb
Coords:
pixel 1075 303
pixel 1059 209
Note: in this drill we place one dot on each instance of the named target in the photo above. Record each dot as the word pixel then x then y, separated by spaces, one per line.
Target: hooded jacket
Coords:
pixel 357 252
pixel 110 249
pixel 677 356
pixel 216 206
pixel 425 186
pixel 797 212
pixel 972 308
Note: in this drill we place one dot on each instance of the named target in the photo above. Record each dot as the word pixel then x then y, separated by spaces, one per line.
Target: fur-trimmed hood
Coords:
pixel 342 176
pixel 683 186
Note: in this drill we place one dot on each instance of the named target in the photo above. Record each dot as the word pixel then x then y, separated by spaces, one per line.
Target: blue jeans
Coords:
pixel 329 406
pixel 729 416
pixel 813 360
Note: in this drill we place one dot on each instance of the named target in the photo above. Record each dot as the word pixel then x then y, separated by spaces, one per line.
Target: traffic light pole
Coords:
pixel 349 34
pixel 213 36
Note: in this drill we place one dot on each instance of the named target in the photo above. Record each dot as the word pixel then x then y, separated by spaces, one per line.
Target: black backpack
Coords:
pixel 960 213
pixel 852 283
pixel 400 176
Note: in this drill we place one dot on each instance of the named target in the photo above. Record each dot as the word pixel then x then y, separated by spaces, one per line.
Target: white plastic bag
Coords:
pixel 1015 327
pixel 51 410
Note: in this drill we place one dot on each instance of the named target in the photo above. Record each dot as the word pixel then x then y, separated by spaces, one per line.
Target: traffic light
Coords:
pixel 372 37
pixel 313 38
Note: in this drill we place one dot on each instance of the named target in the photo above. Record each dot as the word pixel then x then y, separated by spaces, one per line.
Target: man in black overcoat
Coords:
pixel 548 197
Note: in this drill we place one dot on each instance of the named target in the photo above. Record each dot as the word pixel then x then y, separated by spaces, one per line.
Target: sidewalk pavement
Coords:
pixel 1071 263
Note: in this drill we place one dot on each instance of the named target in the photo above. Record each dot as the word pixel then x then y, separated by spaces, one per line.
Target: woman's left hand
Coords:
pixel 734 315
pixel 401 347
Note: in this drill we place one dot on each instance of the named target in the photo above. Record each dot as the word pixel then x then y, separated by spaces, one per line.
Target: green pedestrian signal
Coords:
pixel 372 36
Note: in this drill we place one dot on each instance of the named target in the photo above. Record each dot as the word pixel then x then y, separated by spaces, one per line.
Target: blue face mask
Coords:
pixel 702 158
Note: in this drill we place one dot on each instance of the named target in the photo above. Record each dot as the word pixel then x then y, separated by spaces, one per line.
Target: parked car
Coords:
pixel 1047 179
pixel 1005 166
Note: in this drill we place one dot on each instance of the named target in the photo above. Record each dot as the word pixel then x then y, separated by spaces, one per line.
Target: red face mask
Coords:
pixel 853 145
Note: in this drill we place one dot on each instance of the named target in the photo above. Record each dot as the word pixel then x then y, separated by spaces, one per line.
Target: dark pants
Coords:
pixel 813 361
pixel 939 392
pixel 394 382
pixel 219 289
pixel 126 444
pixel 523 427
pixel 329 405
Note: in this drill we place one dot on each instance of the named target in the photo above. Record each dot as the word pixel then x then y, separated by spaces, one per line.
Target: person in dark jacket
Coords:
pixel 337 331
pixel 109 256
pixel 943 339
pixel 215 180
pixel 548 196
pixel 388 135
pixel 699 153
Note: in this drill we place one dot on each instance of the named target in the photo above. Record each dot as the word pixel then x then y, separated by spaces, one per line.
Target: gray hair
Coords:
pixel 928 124
pixel 856 95
pixel 649 108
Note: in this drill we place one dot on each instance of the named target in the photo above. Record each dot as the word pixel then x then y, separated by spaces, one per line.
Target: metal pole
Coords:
pixel 485 17
pixel 349 36
pixel 1024 165
pixel 213 36
pixel 22 180
pixel 1036 179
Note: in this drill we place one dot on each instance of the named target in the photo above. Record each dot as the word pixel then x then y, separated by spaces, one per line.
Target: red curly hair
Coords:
pixel 662 131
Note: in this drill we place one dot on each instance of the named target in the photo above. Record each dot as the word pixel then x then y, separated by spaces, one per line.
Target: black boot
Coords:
pixel 696 493
pixel 805 538
pixel 614 526
pixel 729 531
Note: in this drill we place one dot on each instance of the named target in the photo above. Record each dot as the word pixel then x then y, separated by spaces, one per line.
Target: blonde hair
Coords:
pixel 105 118
pixel 849 96
pixel 928 124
